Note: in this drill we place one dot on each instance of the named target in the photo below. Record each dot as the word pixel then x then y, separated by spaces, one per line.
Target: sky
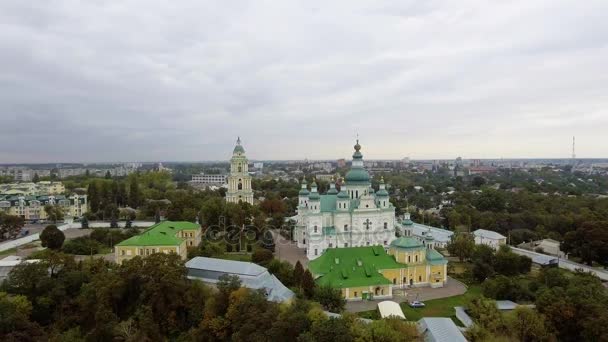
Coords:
pixel 149 80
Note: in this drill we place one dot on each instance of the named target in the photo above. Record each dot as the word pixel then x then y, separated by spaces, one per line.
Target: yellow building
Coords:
pixel 31 208
pixel 163 237
pixel 372 273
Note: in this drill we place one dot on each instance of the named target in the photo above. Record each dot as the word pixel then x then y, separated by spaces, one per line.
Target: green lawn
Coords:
pixel 443 307
pixel 8 252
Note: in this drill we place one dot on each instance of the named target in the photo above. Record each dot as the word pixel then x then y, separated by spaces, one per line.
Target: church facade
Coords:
pixel 355 216
pixel 239 181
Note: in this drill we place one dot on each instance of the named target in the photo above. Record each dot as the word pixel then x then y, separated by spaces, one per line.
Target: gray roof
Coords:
pixel 226 266
pixel 488 234
pixel 440 234
pixel 505 305
pixel 537 258
pixel 252 276
pixel 439 329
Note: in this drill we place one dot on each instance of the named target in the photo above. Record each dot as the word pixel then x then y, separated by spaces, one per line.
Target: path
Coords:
pixel 288 250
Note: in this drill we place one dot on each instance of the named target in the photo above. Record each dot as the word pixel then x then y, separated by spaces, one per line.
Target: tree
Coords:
pixel 331 299
pixel 52 237
pixel 134 192
pixel 108 175
pixel 298 274
pixel 10 226
pixel 308 284
pixel 36 178
pixel 478 181
pixel 93 196
pixel 84 223
pixel 526 324
pixel 53 213
pixel 261 256
pixel 462 245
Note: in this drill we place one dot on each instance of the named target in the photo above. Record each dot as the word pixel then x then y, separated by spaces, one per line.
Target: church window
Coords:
pixel 385 242
pixel 315 228
pixel 240 168
pixel 303 241
pixel 367 243
pixel 356 294
pixel 316 251
pixel 416 258
pixel 385 225
pixel 357 193
pixel 345 227
pixel 394 281
pixel 384 203
pixel 346 244
pixel 420 278
pixel 409 258
pixel 367 205
pixel 122 252
pixel 331 245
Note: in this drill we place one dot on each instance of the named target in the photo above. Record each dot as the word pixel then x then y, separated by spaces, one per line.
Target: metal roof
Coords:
pixel 439 329
pixel 488 234
pixel 226 266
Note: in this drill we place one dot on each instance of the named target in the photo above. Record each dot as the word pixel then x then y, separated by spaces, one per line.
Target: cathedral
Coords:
pixel 239 181
pixel 355 216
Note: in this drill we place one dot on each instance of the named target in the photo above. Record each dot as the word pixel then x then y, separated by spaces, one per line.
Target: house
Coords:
pixel 439 329
pixel 490 238
pixel 163 237
pixel 252 276
pixel 372 273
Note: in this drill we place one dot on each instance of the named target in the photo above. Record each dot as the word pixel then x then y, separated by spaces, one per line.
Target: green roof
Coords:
pixel 407 242
pixel 357 175
pixel 434 257
pixel 354 266
pixel 382 192
pixel 342 194
pixel 328 203
pixel 160 234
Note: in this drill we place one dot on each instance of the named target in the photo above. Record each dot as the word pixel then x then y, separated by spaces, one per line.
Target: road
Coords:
pixel 288 250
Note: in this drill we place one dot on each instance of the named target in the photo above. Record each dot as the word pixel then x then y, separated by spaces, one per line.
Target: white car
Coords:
pixel 416 304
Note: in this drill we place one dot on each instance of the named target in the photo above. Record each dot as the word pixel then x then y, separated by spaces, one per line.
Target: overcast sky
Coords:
pixel 180 80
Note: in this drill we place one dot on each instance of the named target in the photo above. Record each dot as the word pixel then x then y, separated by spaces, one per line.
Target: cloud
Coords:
pixel 159 80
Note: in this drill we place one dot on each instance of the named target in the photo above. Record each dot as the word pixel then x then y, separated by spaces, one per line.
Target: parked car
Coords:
pixel 417 304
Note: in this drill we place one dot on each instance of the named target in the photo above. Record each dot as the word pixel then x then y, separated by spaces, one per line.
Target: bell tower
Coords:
pixel 239 181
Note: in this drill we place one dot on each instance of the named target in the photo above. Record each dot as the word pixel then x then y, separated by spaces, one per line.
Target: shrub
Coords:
pixel 52 237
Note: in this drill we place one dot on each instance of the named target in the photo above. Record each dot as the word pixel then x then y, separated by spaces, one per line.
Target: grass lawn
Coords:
pixel 8 252
pixel 443 307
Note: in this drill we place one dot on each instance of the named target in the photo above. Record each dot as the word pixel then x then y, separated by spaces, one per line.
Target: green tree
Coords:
pixel 308 284
pixel 331 299
pixel 54 212
pixel 261 256
pixel 36 178
pixel 93 196
pixel 134 192
pixel 108 175
pixel 298 274
pixel 462 245
pixel 527 325
pixel 10 226
pixel 52 237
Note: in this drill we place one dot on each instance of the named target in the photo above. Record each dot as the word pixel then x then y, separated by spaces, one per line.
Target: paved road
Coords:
pixel 288 250
pixel 452 288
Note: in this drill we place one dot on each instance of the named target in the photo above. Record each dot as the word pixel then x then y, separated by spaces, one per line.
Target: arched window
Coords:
pixel 240 187
pixel 416 258
pixel 315 229
pixel 409 258
pixel 240 168
pixel 385 225
pixel 345 227
pixel 357 193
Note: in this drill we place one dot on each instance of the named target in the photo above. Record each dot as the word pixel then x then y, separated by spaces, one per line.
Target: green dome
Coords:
pixel 406 242
pixel 304 192
pixel 332 191
pixel 382 192
pixel 314 196
pixel 408 222
pixel 238 148
pixel 343 194
pixel 357 175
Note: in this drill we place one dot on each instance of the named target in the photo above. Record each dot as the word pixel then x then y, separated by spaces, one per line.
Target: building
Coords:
pixel 252 276
pixel 239 181
pixel 440 237
pixel 354 216
pixel 7 264
pixel 31 208
pixel 164 237
pixel 490 238
pixel 372 273
pixel 33 189
pixel 390 309
pixel 439 329
pixel 209 179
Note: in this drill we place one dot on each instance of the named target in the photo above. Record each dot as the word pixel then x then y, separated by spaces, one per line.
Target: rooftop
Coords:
pixel 488 234
pixel 160 234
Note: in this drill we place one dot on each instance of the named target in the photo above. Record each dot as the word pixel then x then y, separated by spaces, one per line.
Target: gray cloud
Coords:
pixel 159 80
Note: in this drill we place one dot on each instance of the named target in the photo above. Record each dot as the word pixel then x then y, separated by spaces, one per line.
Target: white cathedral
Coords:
pixel 239 180
pixel 353 217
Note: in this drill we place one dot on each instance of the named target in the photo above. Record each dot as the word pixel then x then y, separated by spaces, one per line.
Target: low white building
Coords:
pixel 439 329
pixel 490 238
pixel 389 309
